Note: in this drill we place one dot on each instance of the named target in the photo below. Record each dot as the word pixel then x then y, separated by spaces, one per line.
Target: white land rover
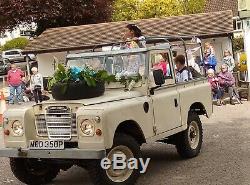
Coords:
pixel 43 139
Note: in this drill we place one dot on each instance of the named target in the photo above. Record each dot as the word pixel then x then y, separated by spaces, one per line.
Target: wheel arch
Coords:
pixel 133 129
pixel 198 108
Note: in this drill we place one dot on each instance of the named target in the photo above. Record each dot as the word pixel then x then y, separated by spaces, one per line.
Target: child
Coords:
pixel 36 84
pixel 209 60
pixel 216 89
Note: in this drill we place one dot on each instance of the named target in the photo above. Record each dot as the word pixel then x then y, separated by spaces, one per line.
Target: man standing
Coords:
pixel 14 79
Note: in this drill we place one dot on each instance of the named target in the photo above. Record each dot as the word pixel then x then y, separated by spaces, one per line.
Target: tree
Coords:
pixel 141 9
pixel 17 43
pixel 238 44
pixel 53 13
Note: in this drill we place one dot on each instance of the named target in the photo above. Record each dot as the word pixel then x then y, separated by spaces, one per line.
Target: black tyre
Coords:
pixel 126 145
pixel 189 142
pixel 33 171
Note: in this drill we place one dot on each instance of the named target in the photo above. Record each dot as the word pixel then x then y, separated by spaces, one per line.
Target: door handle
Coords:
pixel 175 102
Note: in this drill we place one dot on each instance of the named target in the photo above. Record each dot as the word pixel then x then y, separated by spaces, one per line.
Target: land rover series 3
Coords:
pixel 44 138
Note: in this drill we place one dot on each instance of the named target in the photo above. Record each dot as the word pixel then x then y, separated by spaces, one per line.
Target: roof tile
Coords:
pixel 70 38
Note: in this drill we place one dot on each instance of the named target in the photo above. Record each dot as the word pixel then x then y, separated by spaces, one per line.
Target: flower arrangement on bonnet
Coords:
pixel 78 83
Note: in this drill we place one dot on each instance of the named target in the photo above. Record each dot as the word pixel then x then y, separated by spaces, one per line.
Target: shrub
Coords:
pixel 17 43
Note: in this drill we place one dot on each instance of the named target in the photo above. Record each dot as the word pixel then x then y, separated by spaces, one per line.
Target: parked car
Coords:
pixel 4 66
pixel 16 55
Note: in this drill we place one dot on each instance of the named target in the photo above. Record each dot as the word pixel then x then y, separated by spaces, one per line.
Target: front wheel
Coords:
pixel 123 145
pixel 189 142
pixel 33 171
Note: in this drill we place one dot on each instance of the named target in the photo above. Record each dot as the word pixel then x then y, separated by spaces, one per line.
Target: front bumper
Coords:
pixel 56 154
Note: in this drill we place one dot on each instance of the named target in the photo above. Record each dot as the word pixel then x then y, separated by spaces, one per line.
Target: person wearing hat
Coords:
pixel 36 84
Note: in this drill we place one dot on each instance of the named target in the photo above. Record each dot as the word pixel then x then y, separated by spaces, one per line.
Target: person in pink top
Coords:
pixel 14 79
pixel 162 64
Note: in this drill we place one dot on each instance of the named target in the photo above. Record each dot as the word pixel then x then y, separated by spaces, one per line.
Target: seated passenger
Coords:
pixel 227 82
pixel 182 72
pixel 215 87
pixel 163 64
pixel 132 66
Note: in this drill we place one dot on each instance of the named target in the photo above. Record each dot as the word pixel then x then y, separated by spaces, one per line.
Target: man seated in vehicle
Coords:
pixel 182 72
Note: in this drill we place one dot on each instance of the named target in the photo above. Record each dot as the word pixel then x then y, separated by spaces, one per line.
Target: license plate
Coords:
pixel 46 145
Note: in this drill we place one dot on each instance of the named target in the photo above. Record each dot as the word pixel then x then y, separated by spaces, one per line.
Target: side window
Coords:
pixel 161 60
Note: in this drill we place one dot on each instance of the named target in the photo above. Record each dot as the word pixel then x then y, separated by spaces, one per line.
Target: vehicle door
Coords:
pixel 165 98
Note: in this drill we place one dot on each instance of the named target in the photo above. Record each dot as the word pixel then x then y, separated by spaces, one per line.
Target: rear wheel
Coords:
pixel 126 146
pixel 189 142
pixel 33 171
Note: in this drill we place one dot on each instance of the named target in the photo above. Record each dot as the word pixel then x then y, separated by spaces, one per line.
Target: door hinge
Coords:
pixel 154 129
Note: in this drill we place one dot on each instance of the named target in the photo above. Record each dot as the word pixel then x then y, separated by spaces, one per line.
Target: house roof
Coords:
pixel 222 5
pixel 84 36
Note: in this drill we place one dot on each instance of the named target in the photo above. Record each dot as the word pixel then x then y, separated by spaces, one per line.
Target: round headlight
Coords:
pixel 17 128
pixel 87 128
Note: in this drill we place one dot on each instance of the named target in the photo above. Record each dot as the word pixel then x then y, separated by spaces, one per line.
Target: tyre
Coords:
pixel 123 144
pixel 189 142
pixel 33 171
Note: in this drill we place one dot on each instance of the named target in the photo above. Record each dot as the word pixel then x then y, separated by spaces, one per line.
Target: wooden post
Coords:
pixel 27 65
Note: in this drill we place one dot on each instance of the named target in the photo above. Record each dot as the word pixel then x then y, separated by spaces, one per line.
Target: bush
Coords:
pixel 17 43
pixel 238 44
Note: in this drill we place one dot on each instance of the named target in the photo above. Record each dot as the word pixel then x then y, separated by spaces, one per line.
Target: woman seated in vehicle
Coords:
pixel 163 64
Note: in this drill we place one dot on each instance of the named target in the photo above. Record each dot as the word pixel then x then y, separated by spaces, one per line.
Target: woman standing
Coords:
pixel 228 60
pixel 134 34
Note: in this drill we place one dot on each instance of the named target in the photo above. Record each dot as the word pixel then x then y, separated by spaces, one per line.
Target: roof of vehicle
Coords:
pixel 19 50
pixel 119 52
pixel 81 37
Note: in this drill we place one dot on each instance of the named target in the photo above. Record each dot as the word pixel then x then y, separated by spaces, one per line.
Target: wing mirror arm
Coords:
pixel 152 90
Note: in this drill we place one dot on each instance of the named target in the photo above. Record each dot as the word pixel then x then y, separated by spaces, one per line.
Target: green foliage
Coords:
pixel 53 13
pixel 141 9
pixel 238 44
pixel 125 80
pixel 17 43
pixel 87 75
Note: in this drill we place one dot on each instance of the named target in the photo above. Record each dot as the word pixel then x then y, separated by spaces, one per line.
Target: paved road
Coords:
pixel 224 159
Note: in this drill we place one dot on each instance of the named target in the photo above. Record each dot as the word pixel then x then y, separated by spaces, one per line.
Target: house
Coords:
pixel 222 5
pixel 54 44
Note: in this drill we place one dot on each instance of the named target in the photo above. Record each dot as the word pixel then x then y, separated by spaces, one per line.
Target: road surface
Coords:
pixel 224 159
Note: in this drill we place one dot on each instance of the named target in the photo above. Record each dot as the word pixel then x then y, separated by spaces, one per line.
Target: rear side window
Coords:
pixel 12 53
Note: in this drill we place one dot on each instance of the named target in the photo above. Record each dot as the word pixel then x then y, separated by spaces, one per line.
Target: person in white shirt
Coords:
pixel 36 84
pixel 182 72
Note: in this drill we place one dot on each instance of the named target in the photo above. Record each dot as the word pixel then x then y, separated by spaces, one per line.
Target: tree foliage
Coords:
pixel 141 9
pixel 53 13
pixel 17 43
pixel 238 43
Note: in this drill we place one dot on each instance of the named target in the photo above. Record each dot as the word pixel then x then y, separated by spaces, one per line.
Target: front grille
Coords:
pixel 57 123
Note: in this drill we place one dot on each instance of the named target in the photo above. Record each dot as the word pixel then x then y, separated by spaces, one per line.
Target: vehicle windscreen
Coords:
pixel 119 65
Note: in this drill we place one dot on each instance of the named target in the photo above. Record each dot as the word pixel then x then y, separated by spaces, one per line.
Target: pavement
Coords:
pixel 224 159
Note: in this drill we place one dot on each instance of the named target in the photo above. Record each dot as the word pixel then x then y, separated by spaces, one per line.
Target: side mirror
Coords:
pixel 158 77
